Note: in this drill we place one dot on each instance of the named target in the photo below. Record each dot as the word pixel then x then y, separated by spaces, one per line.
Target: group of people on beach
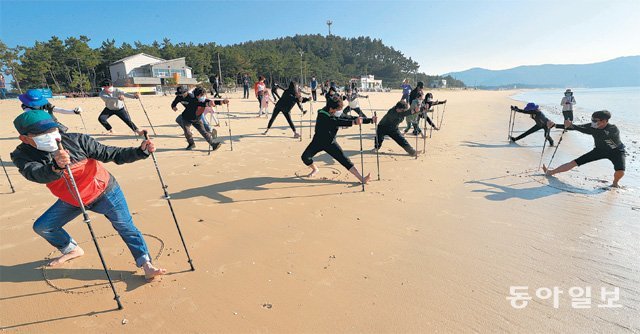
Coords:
pixel 606 136
pixel 40 159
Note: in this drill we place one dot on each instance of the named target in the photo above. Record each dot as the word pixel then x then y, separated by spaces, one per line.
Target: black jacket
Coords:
pixel 327 126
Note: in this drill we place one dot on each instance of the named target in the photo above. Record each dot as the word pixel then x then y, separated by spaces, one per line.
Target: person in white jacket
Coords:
pixel 113 99
pixel 567 105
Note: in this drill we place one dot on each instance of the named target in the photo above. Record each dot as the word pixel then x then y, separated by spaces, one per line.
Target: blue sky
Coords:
pixel 442 36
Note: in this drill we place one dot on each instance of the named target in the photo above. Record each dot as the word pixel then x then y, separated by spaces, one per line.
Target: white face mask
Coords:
pixel 202 99
pixel 47 142
pixel 594 125
pixel 338 113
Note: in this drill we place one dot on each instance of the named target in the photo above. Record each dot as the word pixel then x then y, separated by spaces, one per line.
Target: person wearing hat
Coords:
pixel 113 99
pixel 33 99
pixel 39 160
pixel 388 126
pixel 329 119
pixel 567 103
pixel 194 106
pixel 181 97
pixel 542 122
pixel 606 138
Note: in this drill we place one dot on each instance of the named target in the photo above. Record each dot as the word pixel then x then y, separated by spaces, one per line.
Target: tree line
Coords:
pixel 71 65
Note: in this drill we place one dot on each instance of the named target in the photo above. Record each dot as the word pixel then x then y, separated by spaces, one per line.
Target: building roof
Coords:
pixel 166 61
pixel 135 55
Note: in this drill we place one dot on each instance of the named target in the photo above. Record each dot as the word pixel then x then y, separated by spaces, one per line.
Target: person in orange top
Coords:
pixel 39 160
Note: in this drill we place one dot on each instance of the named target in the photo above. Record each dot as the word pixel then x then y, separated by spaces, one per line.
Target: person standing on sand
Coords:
pixel 314 87
pixel 195 104
pixel 542 122
pixel 113 98
pixel 274 91
pixel 34 100
pixel 567 103
pixel 3 88
pixel 606 138
pixel 245 86
pixel 39 160
pixel 414 93
pixel 181 98
pixel 388 126
pixel 329 119
pixel 419 110
pixel 406 90
pixel 290 97
pixel 258 89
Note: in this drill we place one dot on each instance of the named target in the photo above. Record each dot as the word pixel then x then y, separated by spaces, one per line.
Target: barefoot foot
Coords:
pixel 150 272
pixel 545 169
pixel 367 178
pixel 313 173
pixel 76 252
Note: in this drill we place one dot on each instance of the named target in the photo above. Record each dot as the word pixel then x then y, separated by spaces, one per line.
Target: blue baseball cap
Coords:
pixel 531 106
pixel 33 98
pixel 34 121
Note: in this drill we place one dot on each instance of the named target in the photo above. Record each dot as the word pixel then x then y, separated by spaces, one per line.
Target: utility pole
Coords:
pixel 329 23
pixel 301 75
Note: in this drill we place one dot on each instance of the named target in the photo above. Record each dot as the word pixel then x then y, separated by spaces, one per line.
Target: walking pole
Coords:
pixel 310 117
pixel 129 116
pixel 168 198
pixel 511 112
pixel 148 119
pixel 543 147
pixel 361 158
pixel 83 125
pixel 7 174
pixel 417 127
pixel 556 149
pixel 513 122
pixel 301 117
pixel 442 118
pixel 229 124
pixel 210 124
pixel 87 220
pixel 375 115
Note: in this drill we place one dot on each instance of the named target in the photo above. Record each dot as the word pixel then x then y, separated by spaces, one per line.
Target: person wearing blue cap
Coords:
pixel 542 122
pixel 34 99
pixel 39 160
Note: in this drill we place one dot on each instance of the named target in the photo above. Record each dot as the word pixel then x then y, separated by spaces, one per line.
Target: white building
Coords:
pixel 146 70
pixel 369 83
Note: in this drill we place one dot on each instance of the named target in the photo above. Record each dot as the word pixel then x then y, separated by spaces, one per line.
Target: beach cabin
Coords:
pixel 368 83
pixel 150 72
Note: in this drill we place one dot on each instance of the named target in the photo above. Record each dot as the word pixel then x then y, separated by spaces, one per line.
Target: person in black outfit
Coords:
pixel 274 91
pixel 290 97
pixel 194 107
pixel 246 81
pixel 215 85
pixel 329 119
pixel 388 126
pixel 542 122
pixel 607 143
pixel 415 92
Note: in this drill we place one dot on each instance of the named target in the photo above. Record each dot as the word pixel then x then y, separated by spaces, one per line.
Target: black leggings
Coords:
pixel 616 156
pixel 275 95
pixel 534 129
pixel 122 114
pixel 333 149
pixel 287 115
pixel 394 134
pixel 314 95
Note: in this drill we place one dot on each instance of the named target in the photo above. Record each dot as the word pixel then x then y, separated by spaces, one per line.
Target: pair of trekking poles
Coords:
pixel 512 120
pixel 87 219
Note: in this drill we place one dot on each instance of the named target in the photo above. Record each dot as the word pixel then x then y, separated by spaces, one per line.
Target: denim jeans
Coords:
pixel 205 123
pixel 112 205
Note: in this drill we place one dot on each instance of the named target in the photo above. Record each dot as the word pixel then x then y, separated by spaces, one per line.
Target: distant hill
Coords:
pixel 619 72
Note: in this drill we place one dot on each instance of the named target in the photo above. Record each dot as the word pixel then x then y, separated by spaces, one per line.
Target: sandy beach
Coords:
pixel 434 246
